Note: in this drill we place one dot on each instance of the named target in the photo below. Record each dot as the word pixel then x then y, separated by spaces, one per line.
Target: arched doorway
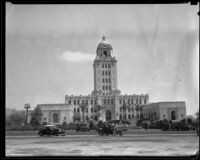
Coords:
pixel 108 115
pixel 55 118
pixel 173 115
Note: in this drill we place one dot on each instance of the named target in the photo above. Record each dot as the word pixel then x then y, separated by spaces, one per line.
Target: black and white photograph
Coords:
pixel 101 80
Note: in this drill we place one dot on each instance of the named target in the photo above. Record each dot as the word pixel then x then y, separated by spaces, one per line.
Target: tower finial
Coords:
pixel 103 37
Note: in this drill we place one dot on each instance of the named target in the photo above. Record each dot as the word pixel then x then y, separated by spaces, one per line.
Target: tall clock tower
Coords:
pixel 105 70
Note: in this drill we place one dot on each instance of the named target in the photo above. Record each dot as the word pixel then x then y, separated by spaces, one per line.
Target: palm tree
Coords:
pixel 83 106
pixel 124 107
pixel 137 108
pixel 140 109
pixel 98 108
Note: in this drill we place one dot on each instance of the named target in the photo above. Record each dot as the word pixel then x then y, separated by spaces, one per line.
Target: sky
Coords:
pixel 50 51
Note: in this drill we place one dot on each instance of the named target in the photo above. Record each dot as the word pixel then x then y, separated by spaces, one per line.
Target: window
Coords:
pixel 128 101
pixel 105 65
pixel 82 101
pixel 86 101
pixel 102 65
pixel 131 101
pixel 109 87
pixel 91 101
pixel 91 117
pixel 123 101
pixel 87 118
pixel 74 110
pixel 103 87
pixel 106 73
pixel 95 101
pixel 104 101
pixel 106 87
pixel 91 109
pixel 74 102
pixel 106 80
pixel 103 73
pixel 78 110
pixel 87 110
pixel 64 118
pixel 109 80
pixel 136 101
pixel 108 65
pixel 145 102
pixel 129 117
pixel 103 80
pixel 120 101
pixel 120 109
pixel 78 102
pixel 132 109
pixel 111 101
pixel 69 102
pixel 140 101
pixel 129 109
pixel 109 73
pixel 108 101
pixel 45 118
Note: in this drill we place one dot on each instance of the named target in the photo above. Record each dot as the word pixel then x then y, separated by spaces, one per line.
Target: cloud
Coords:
pixel 76 56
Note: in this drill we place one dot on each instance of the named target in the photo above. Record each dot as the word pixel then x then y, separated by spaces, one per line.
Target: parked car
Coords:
pixel 50 130
pixel 82 127
pixel 109 129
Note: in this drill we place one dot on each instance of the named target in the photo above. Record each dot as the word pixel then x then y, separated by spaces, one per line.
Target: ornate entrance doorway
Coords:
pixel 108 115
pixel 173 115
pixel 55 118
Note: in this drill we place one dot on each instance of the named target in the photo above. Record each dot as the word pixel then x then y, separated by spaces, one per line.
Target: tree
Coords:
pixel 124 107
pixel 137 108
pixel 98 108
pixel 197 116
pixel 36 117
pixel 16 118
pixel 83 106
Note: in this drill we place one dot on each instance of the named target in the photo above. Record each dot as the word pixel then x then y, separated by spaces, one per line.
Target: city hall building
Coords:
pixel 105 102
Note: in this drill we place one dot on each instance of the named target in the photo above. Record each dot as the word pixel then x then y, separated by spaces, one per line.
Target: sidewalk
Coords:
pixel 93 132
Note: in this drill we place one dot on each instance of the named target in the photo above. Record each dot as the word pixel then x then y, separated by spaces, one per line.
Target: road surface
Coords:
pixel 95 145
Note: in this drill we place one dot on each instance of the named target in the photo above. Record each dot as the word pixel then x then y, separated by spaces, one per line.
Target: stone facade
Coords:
pixel 165 110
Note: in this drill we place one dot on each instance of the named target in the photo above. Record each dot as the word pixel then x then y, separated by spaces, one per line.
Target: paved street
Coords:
pixel 128 144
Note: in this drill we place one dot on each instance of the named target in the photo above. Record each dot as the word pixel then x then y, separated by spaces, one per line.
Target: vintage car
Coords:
pixel 109 129
pixel 82 127
pixel 50 130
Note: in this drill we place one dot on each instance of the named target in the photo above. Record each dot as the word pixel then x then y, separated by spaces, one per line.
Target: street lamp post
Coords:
pixel 27 106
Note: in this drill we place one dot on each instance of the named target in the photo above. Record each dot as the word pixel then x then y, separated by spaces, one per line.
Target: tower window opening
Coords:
pixel 105 53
